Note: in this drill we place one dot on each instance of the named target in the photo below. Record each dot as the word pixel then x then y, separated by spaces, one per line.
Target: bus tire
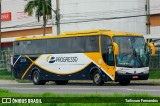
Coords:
pixel 97 78
pixel 36 78
pixel 61 82
pixel 124 82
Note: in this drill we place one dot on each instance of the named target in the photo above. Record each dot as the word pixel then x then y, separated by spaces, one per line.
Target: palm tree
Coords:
pixel 42 8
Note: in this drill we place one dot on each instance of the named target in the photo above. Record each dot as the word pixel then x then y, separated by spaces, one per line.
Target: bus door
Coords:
pixel 108 55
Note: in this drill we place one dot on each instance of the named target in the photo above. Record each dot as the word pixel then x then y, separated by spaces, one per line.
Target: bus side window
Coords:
pixel 53 46
pixel 65 44
pixel 107 51
pixel 110 56
pixel 16 43
pixel 78 44
pixel 18 47
pixel 92 44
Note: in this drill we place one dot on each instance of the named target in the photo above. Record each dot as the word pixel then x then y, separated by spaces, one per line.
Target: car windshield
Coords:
pixel 132 51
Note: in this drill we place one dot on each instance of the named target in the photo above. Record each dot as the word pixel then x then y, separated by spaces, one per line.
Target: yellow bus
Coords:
pixel 98 55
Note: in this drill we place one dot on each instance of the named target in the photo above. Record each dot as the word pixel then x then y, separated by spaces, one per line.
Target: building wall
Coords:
pixel 10 34
pixel 16 23
pixel 19 20
pixel 27 32
pixel 103 14
pixel 154 6
pixel 155 17
pixel 155 20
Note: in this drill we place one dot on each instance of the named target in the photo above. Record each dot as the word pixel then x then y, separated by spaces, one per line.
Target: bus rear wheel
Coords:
pixel 61 82
pixel 97 78
pixel 36 78
pixel 124 82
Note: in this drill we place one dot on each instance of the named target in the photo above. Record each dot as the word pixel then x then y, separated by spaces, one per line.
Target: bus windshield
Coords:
pixel 132 52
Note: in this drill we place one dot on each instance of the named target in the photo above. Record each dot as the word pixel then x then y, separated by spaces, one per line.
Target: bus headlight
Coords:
pixel 121 72
pixel 146 72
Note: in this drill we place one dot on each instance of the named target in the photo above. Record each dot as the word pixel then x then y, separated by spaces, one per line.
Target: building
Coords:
pixel 154 35
pixel 120 15
pixel 16 23
pixel 155 17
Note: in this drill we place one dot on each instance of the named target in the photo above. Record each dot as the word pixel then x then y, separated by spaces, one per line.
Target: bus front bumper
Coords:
pixel 131 77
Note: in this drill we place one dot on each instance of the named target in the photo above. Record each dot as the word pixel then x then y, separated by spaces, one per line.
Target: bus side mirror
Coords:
pixel 153 49
pixel 116 48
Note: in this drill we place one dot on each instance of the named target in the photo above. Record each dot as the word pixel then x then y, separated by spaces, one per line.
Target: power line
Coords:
pixel 92 19
pixel 98 1
pixel 112 12
pixel 101 19
pixel 80 21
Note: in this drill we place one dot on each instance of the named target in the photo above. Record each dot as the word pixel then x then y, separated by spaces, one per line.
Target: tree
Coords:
pixel 41 8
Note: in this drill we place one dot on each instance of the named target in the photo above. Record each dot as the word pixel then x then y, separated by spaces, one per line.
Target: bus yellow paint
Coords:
pixel 29 58
pixel 109 70
pixel 33 62
pixel 27 71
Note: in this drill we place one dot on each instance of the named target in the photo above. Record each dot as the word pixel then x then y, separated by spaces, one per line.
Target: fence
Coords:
pixel 155 61
pixel 5 57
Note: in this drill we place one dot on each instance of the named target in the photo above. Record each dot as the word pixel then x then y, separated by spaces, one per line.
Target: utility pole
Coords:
pixel 148 17
pixel 56 26
pixel 58 16
pixel 0 24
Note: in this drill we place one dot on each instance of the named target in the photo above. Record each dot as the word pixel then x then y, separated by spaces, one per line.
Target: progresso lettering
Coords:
pixel 63 59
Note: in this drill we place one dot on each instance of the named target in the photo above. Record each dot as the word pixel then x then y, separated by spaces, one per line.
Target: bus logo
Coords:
pixel 50 59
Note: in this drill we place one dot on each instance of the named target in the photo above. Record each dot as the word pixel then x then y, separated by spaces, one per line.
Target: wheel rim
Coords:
pixel 36 77
pixel 97 78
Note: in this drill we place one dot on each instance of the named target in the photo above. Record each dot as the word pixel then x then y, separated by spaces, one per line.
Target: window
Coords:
pixel 18 47
pixel 30 47
pixel 60 45
pixel 35 47
pixel 106 41
pixel 65 45
pixel 78 44
pixel 53 46
pixel 92 44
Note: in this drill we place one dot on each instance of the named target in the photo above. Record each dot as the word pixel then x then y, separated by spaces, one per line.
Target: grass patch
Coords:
pixel 6 93
pixel 23 81
pixel 154 74
pixel 5 75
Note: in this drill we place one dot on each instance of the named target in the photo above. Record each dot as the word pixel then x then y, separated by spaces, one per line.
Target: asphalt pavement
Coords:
pixel 82 87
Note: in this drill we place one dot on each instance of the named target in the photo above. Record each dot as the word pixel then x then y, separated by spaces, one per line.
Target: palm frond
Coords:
pixel 41 8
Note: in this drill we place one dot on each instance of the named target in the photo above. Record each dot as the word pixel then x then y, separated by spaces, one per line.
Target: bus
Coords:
pixel 98 55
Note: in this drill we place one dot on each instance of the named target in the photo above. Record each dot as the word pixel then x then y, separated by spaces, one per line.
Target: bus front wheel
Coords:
pixel 124 82
pixel 61 82
pixel 97 78
pixel 36 78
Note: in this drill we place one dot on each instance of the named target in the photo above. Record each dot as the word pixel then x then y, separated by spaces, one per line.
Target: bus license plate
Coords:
pixel 135 77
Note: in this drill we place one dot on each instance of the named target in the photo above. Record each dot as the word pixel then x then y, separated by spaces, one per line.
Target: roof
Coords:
pixel 83 33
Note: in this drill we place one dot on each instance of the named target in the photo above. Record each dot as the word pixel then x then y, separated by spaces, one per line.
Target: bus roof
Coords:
pixel 82 33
